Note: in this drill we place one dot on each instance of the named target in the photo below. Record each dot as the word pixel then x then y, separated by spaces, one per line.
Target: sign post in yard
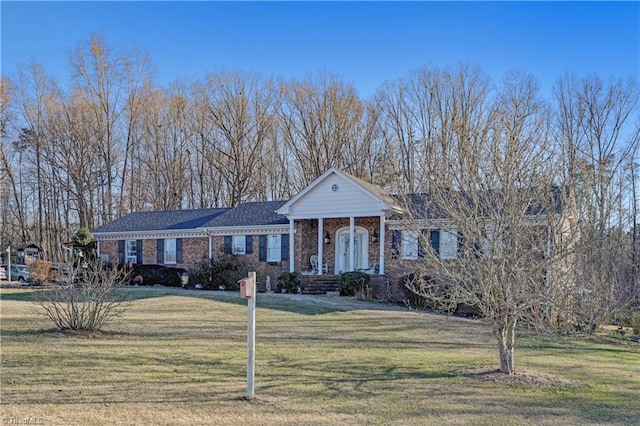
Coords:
pixel 248 291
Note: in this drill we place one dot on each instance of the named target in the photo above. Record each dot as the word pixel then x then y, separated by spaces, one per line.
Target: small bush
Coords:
pixel 42 272
pixel 635 323
pixel 289 281
pixel 354 284
pixel 88 305
pixel 224 272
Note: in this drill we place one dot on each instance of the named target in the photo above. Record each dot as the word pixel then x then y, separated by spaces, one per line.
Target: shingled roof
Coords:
pixel 161 220
pixel 424 205
pixel 250 214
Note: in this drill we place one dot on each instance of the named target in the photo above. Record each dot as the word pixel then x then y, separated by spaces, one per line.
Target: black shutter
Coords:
pixel 227 244
pixel 477 249
pixel 120 251
pixel 461 244
pixel 262 248
pixel 395 244
pixel 178 250
pixel 284 246
pixel 139 252
pixel 435 240
pixel 248 247
pixel 421 238
pixel 160 251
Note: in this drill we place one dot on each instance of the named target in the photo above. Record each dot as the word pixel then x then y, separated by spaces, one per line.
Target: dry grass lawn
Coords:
pixel 178 357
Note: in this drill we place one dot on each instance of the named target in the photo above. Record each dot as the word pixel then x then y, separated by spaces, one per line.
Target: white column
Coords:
pixel 210 256
pixel 320 244
pixel 381 242
pixel 352 234
pixel 292 245
pixel 98 248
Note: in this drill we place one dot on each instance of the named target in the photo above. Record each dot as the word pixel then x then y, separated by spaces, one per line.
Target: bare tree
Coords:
pixel 77 152
pixel 483 240
pixel 426 119
pixel 101 74
pixel 34 97
pixel 593 122
pixel 240 114
pixel 322 126
pixel 139 75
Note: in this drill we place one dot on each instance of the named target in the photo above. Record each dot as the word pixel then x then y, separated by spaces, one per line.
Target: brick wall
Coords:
pixel 149 251
pixel 305 244
pixel 252 263
pixel 110 248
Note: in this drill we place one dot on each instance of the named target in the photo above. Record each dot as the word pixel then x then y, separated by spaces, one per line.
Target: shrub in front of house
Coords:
pixel 222 273
pixel 354 284
pixel 155 275
pixel 290 281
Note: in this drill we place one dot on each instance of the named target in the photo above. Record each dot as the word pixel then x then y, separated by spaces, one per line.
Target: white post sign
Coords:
pixel 248 291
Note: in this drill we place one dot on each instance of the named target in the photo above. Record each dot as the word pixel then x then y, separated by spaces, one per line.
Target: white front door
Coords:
pixel 343 259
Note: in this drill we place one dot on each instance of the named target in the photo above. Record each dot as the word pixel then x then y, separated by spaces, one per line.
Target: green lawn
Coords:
pixel 179 357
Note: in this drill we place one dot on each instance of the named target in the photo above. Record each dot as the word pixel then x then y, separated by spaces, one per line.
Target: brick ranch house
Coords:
pixel 323 219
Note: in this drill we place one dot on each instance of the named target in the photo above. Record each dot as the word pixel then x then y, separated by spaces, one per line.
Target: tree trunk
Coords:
pixel 506 335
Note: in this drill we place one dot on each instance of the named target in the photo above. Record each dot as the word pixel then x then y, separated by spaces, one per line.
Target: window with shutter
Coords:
pixel 170 250
pixel 239 245
pixel 131 254
pixel 274 248
pixel 409 244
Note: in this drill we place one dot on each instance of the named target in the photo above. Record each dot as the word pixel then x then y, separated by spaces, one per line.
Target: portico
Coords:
pixel 348 218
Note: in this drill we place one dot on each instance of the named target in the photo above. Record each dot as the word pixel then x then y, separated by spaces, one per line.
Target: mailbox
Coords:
pixel 246 287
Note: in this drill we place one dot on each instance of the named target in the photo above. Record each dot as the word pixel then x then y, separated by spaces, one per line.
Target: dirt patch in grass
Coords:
pixel 85 334
pixel 525 378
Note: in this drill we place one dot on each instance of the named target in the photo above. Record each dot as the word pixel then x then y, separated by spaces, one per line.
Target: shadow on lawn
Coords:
pixel 298 304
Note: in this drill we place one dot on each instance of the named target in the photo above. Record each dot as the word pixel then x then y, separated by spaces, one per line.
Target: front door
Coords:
pixel 343 259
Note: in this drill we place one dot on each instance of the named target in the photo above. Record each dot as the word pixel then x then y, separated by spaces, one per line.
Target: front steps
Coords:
pixel 320 284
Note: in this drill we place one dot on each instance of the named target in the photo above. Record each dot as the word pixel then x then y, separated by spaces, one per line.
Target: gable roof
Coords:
pixel 28 245
pixel 368 188
pixel 161 220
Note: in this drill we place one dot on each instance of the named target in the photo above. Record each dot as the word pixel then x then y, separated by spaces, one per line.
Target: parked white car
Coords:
pixel 3 274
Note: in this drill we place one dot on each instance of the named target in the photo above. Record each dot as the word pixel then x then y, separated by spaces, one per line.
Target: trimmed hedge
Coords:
pixel 354 283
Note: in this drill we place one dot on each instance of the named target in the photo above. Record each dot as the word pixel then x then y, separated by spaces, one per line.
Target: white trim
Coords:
pixel 196 233
pixel 248 230
pixel 371 213
pixel 148 235
pixel 399 224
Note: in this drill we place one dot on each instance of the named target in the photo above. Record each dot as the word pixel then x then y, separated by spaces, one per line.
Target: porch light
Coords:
pixel 327 238
pixel 374 236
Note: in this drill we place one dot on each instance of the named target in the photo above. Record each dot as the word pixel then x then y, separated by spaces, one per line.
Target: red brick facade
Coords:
pixel 196 250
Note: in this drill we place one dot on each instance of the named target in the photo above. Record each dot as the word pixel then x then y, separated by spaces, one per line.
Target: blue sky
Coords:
pixel 366 43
